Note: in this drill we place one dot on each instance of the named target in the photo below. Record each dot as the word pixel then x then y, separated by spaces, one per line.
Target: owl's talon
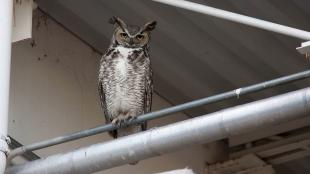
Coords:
pixel 116 122
pixel 122 121
pixel 130 118
pixel 119 122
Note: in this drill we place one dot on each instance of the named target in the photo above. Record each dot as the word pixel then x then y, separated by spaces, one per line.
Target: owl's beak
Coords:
pixel 131 41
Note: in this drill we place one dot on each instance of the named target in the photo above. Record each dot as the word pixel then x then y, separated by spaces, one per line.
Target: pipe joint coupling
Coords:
pixel 4 144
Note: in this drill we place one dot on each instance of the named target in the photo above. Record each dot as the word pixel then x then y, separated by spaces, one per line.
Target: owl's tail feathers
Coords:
pixel 121 132
pixel 128 130
pixel 113 134
pixel 144 126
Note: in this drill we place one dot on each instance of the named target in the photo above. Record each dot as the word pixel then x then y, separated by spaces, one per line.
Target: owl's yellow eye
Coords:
pixel 139 36
pixel 124 35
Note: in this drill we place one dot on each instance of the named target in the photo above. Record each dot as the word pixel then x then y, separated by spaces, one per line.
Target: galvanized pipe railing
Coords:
pixel 163 112
pixel 154 142
pixel 239 18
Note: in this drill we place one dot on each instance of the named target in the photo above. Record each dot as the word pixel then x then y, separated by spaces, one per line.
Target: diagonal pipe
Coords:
pixel 239 18
pixel 223 124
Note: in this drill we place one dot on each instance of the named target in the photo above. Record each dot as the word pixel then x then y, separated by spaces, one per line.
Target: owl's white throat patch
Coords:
pixel 125 52
pixel 122 60
pixel 121 65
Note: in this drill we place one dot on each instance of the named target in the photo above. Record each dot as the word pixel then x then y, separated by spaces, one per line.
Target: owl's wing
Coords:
pixel 101 89
pixel 103 101
pixel 148 92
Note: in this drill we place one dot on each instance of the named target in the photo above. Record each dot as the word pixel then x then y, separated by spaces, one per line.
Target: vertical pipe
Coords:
pixel 6 10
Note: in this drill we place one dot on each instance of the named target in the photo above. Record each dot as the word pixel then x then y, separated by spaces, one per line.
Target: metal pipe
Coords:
pixel 154 142
pixel 180 171
pixel 161 113
pixel 235 17
pixel 6 9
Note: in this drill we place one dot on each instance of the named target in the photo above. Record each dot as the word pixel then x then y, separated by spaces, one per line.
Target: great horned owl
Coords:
pixel 125 76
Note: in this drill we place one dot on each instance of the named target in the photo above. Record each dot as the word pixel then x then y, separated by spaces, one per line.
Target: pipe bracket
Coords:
pixel 4 144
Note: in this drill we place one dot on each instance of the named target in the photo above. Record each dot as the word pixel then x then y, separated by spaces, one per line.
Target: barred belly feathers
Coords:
pixel 125 76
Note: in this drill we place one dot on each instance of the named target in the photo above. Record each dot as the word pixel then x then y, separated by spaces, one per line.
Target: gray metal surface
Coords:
pixel 163 112
pixel 228 122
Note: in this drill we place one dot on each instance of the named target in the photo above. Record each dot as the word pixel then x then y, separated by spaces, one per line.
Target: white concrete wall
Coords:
pixel 53 92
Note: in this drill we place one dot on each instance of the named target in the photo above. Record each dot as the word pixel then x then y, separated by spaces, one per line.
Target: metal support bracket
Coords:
pixel 4 144
pixel 304 49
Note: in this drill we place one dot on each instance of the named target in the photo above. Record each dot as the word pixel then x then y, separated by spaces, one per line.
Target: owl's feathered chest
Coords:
pixel 124 72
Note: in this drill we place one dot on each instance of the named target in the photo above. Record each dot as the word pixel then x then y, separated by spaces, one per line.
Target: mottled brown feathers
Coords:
pixel 125 76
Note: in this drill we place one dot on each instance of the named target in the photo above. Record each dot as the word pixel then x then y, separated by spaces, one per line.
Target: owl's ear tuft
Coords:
pixel 112 20
pixel 149 26
pixel 117 21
